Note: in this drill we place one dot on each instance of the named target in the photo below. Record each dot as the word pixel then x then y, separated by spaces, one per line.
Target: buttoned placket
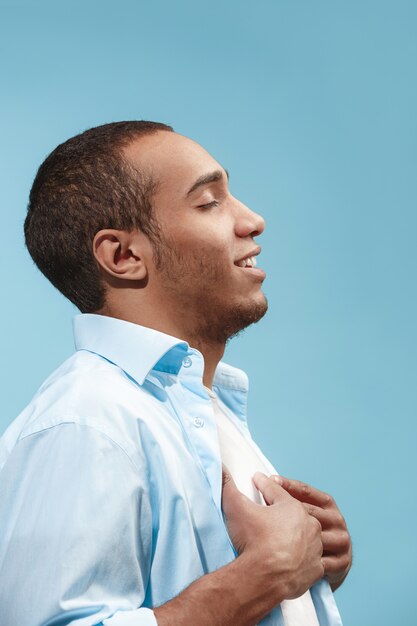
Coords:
pixel 194 410
pixel 199 421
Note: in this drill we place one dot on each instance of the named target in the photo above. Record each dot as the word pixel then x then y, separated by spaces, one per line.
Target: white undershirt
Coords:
pixel 242 461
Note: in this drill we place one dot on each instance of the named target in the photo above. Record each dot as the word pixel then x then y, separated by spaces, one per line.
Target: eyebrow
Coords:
pixel 212 177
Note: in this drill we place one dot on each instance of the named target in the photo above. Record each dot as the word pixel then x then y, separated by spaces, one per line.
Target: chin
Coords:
pixel 242 316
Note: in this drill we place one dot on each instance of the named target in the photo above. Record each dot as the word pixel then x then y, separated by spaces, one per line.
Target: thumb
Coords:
pixel 269 487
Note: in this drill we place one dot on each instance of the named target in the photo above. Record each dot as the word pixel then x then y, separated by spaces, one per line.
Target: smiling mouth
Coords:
pixel 249 262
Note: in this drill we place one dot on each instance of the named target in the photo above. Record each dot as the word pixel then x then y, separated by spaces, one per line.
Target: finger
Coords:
pixel 325 517
pixel 335 542
pixel 269 488
pixel 305 493
pixel 335 567
pixel 330 519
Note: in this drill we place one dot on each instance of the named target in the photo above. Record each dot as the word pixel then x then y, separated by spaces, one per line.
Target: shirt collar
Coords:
pixel 135 349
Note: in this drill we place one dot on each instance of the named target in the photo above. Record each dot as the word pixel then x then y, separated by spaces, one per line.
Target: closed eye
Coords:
pixel 209 205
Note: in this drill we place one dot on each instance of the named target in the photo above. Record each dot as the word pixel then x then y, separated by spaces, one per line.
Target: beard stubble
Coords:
pixel 196 285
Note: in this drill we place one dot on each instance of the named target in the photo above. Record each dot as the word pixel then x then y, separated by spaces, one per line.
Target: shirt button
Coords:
pixel 198 422
pixel 187 362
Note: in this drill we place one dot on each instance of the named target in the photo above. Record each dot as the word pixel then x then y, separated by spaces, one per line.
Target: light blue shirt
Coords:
pixel 110 483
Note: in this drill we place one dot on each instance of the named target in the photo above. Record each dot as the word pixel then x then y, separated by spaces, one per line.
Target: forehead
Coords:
pixel 173 160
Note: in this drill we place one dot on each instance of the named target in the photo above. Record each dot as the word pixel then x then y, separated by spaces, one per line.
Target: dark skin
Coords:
pixel 271 567
pixel 337 545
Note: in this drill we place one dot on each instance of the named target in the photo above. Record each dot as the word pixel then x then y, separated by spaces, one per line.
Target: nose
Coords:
pixel 248 223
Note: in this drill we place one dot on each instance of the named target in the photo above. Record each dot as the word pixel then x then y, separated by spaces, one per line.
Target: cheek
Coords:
pixel 208 265
pixel 213 257
pixel 201 248
pixel 205 248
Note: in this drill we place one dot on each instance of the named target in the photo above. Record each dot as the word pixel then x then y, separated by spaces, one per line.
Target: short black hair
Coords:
pixel 84 185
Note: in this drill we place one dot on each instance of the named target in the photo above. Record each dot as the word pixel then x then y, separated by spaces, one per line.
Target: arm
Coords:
pixel 73 548
pixel 337 545
pixel 231 595
pixel 73 542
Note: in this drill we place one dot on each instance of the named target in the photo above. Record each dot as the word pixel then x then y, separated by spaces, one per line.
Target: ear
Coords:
pixel 122 254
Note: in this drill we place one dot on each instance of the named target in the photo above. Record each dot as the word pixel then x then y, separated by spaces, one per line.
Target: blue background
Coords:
pixel 311 105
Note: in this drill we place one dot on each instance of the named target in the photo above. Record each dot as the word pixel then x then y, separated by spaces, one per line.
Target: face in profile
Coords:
pixel 205 266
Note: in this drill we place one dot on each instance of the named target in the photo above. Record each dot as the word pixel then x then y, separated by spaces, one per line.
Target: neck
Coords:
pixel 166 322
pixel 212 354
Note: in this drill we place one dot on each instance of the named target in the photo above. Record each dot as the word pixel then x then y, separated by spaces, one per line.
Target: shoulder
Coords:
pixel 87 391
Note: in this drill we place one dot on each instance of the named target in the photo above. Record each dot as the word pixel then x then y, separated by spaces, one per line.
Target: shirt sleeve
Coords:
pixel 75 532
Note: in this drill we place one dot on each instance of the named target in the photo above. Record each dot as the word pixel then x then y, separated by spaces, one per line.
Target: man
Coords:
pixel 111 500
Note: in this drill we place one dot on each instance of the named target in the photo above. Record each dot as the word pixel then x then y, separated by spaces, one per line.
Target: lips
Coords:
pixel 249 259
pixel 248 262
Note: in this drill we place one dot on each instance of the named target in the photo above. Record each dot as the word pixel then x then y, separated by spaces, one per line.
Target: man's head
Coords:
pixel 85 185
pixel 136 221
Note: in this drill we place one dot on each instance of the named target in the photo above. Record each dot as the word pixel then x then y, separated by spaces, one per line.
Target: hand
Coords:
pixel 337 546
pixel 282 539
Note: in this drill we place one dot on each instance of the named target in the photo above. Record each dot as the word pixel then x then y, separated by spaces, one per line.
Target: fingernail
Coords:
pixel 277 479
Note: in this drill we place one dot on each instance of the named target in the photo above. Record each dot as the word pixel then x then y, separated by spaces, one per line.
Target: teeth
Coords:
pixel 250 261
